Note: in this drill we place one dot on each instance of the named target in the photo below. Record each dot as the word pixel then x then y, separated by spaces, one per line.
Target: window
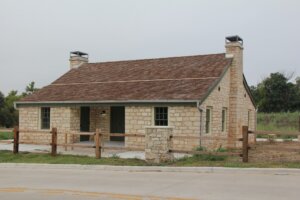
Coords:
pixel 249 115
pixel 161 116
pixel 208 120
pixel 45 118
pixel 224 117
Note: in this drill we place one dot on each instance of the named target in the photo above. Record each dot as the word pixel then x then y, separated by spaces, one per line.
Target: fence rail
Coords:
pixel 206 153
pixel 6 130
pixel 199 137
pixel 278 133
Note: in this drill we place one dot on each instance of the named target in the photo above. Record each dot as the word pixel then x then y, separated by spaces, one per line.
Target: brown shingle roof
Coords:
pixel 176 78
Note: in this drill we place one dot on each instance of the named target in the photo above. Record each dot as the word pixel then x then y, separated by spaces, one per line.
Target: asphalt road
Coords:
pixel 42 182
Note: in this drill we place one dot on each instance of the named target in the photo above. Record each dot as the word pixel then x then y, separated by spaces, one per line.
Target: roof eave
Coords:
pixel 249 91
pixel 21 103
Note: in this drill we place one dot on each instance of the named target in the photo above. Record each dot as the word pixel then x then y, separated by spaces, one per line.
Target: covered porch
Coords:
pixel 108 119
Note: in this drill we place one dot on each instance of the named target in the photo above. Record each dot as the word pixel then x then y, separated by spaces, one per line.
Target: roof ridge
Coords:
pixel 158 58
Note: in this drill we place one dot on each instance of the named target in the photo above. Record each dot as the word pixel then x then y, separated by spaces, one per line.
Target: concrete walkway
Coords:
pixel 82 151
pixel 77 151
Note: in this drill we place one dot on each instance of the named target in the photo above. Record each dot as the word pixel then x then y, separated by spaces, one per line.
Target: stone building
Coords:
pixel 202 95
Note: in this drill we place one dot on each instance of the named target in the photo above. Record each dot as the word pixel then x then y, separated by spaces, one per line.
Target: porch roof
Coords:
pixel 188 78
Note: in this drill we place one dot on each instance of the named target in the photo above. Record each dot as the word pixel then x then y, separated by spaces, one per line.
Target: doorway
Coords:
pixel 117 122
pixel 84 122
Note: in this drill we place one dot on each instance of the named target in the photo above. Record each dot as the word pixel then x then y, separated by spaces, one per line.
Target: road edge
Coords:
pixel 223 170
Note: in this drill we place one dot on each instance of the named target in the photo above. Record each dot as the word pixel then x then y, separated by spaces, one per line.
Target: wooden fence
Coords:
pixel 98 142
pixel 275 134
pixel 245 145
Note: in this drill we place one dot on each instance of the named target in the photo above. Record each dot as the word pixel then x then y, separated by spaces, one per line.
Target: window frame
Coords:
pixel 249 116
pixel 224 120
pixel 43 117
pixel 208 123
pixel 163 116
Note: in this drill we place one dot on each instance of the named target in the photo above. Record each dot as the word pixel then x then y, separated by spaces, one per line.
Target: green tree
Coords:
pixel 30 88
pixel 276 94
pixel 1 100
pixel 8 114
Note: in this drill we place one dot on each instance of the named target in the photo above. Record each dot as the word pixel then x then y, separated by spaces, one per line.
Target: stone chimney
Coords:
pixel 77 58
pixel 234 50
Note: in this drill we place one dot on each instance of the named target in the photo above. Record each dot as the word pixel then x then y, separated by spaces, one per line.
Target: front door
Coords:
pixel 84 122
pixel 117 122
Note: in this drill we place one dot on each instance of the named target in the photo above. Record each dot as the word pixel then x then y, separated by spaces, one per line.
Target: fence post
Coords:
pixel 16 140
pixel 54 142
pixel 73 139
pixel 299 129
pixel 97 144
pixel 299 123
pixel 245 143
pixel 66 141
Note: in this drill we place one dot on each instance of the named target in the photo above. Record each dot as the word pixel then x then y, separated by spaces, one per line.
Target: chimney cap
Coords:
pixel 78 53
pixel 234 38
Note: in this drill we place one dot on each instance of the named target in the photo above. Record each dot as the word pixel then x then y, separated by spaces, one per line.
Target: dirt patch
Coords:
pixel 275 152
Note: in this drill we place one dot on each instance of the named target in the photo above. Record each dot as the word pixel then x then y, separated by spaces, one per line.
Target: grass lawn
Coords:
pixel 6 135
pixel 208 161
pixel 278 121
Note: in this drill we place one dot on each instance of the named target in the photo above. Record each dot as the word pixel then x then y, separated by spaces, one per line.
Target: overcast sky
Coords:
pixel 36 36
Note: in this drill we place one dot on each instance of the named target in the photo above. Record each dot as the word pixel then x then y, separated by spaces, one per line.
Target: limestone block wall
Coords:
pixel 235 117
pixel 158 144
pixel 65 119
pixel 74 124
pixel 97 121
pixel 136 119
pixel 60 117
pixel 249 116
pixel 217 100
pixel 185 120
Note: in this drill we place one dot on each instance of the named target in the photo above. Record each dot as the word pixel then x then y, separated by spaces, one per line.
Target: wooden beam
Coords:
pixel 200 137
pixel 206 153
pixel 34 131
pixel 77 145
pixel 245 143
pixel 292 133
pixel 122 135
pixel 16 140
pixel 123 148
pixel 97 144
pixel 54 142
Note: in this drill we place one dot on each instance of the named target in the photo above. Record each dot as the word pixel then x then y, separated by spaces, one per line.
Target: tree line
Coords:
pixel 277 93
pixel 9 116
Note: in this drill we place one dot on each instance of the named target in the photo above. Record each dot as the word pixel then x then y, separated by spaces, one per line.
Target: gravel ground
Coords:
pixel 275 152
